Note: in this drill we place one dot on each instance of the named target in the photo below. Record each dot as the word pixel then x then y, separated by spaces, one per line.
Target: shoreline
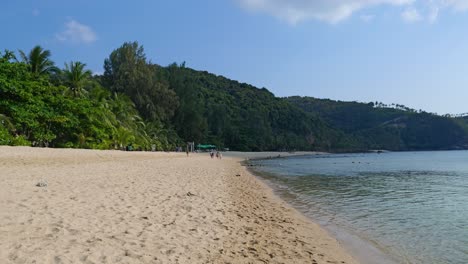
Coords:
pixel 361 249
pixel 129 207
pixel 319 232
pixel 269 154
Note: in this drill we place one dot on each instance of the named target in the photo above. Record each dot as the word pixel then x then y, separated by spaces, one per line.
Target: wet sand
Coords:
pixel 122 207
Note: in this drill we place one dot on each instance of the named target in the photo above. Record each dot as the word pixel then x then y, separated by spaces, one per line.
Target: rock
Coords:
pixel 42 183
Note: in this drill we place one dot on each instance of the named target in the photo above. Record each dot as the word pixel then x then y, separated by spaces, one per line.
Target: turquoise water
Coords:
pixel 412 206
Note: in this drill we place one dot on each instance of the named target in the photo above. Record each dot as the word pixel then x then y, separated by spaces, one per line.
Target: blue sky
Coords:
pixel 411 52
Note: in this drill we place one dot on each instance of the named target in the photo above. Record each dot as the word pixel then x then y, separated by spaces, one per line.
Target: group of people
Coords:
pixel 212 152
pixel 218 154
pixel 179 149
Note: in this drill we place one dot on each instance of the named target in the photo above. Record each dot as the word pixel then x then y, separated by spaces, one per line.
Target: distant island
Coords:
pixel 147 106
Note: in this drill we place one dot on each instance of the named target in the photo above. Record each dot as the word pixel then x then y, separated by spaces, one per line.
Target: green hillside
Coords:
pixel 142 104
pixel 375 126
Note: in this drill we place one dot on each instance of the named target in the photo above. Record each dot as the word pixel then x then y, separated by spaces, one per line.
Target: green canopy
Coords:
pixel 200 146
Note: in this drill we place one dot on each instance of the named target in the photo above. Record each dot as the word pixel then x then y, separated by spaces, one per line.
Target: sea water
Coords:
pixel 411 206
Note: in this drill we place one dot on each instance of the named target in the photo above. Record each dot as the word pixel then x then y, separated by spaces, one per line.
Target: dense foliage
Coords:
pixel 65 109
pixel 377 126
pixel 138 103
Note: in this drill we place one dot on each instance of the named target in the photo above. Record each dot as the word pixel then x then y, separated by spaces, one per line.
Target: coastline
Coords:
pixel 363 250
pixel 269 154
pixel 311 232
pixel 131 207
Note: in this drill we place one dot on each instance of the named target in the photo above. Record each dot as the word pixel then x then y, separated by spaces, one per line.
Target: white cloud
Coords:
pixel 332 11
pixel 76 32
pixel 411 15
pixel 458 5
pixel 335 11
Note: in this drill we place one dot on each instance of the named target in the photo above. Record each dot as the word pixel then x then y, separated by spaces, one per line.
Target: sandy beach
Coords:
pixel 130 207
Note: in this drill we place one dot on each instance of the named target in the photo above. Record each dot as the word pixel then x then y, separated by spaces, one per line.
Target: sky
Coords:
pixel 410 52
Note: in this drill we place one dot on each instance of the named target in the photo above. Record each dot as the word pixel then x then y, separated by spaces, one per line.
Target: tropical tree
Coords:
pixel 123 137
pixel 76 77
pixel 5 121
pixel 8 55
pixel 188 120
pixel 127 71
pixel 39 61
pixel 127 117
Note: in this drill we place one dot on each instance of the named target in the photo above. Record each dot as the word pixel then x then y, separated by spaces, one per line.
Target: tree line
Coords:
pixel 139 103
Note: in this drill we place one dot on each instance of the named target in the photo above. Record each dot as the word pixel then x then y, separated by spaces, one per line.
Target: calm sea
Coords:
pixel 410 206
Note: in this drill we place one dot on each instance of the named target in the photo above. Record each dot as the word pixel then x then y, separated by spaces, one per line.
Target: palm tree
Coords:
pixel 123 137
pixel 127 118
pixel 76 77
pixel 8 55
pixel 38 61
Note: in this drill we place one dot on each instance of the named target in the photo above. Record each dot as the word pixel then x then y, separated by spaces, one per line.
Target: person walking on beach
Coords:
pixel 211 154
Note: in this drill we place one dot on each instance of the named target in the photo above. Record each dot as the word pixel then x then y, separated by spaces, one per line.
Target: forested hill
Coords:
pixel 213 109
pixel 138 103
pixel 394 127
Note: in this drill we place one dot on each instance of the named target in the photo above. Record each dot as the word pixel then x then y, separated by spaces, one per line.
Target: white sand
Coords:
pixel 121 207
